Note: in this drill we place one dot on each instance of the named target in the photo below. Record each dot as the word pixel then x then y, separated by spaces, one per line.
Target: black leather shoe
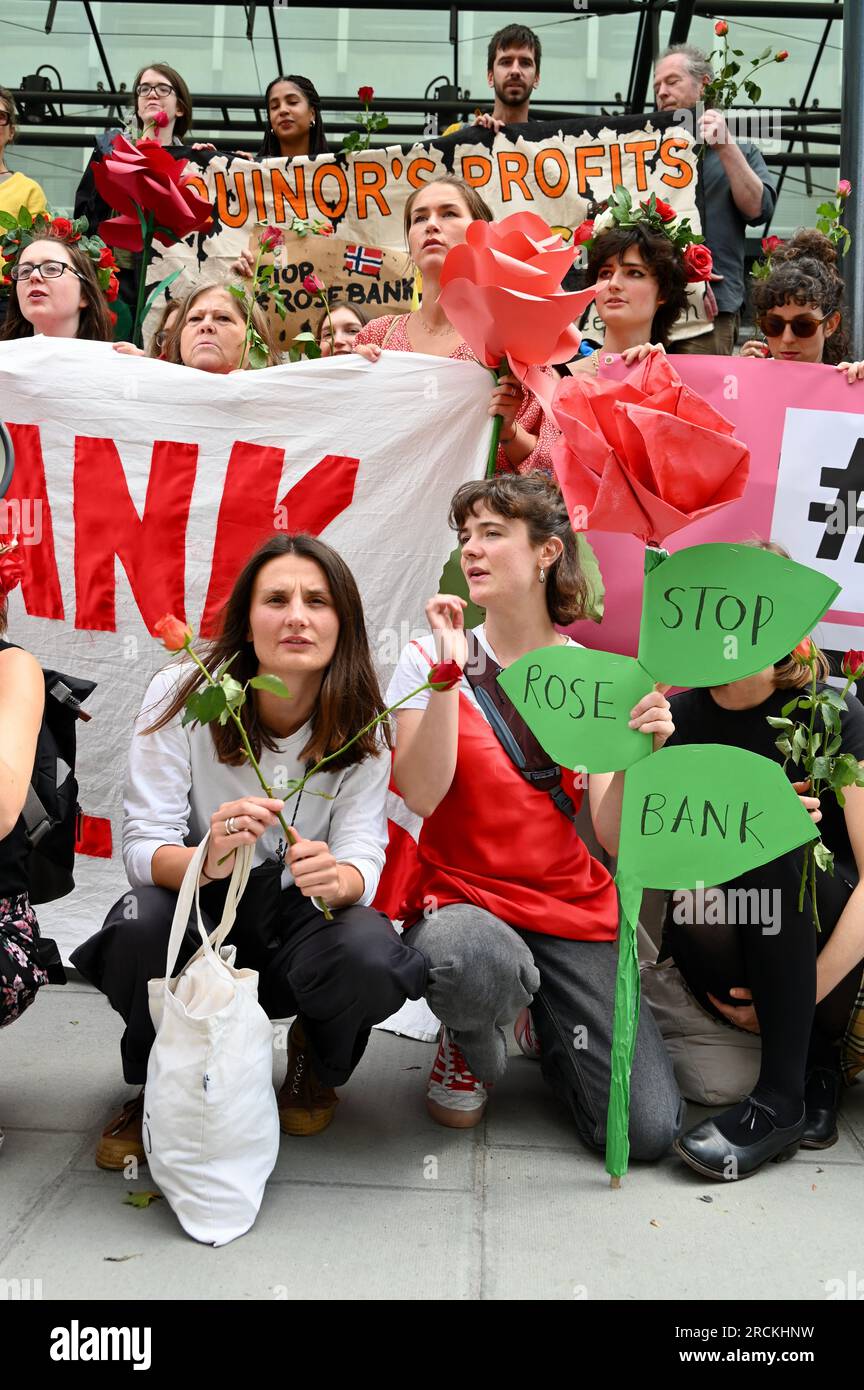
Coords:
pixel 712 1154
pixel 822 1100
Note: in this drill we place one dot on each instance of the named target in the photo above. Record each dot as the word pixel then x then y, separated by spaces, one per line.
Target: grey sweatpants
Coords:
pixel 482 972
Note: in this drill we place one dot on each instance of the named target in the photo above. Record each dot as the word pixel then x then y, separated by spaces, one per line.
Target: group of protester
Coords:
pixel 525 917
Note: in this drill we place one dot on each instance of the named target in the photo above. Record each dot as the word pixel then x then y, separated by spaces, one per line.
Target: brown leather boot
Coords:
pixel 306 1106
pixel 122 1138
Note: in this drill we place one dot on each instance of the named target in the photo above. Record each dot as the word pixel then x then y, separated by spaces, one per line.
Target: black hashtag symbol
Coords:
pixel 851 480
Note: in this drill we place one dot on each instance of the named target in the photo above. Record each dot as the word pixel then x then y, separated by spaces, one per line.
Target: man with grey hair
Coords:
pixel 738 189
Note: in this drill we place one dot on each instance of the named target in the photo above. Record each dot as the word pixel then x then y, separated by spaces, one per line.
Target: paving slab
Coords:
pixel 309 1242
pixel 31 1164
pixel 553 1226
pixel 61 1062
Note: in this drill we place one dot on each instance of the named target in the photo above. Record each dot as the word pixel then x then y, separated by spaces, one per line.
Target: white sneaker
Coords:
pixel 454 1096
pixel 526 1039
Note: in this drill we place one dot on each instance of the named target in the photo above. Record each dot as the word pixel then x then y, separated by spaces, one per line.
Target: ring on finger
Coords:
pixel 231 827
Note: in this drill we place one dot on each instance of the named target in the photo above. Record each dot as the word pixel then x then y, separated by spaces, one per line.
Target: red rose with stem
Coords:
pixel 698 262
pixel 174 634
pixel 312 285
pixel 271 238
pixel 815 746
pixel 365 94
pixel 151 198
pixel 63 228
pixel 770 244
pixel 157 122
pixel 663 210
pixel 804 653
pixel 853 664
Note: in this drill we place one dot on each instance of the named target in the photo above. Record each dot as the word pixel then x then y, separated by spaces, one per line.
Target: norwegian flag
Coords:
pixel 364 260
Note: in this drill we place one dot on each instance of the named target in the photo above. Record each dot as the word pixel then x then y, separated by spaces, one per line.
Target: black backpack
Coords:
pixel 51 812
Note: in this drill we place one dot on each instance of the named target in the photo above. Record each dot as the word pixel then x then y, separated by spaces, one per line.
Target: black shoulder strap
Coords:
pixel 513 733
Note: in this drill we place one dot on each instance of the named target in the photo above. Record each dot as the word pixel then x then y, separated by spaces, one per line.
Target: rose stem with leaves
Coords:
pixel 297 787
pixel 324 299
pixel 290 835
pixel 262 247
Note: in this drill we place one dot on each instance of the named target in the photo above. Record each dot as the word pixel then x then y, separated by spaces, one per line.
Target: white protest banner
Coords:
pixel 141 487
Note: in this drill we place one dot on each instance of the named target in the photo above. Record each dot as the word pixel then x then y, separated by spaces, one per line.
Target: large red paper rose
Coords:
pixel 645 455
pixel 501 288
pixel 146 176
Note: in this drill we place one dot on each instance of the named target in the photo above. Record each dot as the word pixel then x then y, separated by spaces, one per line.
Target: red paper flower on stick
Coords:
pixel 501 288
pixel 645 455
pixel 145 177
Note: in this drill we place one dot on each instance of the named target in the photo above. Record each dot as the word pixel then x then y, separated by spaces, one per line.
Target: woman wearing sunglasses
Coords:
pixel 799 307
pixel 55 291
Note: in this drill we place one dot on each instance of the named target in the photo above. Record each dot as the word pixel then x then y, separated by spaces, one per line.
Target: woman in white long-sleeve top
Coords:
pixel 294 612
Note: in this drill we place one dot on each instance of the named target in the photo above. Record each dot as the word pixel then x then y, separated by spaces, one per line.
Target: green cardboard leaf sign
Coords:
pixel 704 813
pixel 717 613
pixel 577 703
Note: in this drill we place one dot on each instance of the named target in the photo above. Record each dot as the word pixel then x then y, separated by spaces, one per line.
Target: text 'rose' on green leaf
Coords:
pixel 705 813
pixel 577 703
pixel 716 613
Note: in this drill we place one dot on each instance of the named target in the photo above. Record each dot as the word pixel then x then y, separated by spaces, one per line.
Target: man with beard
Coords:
pixel 513 67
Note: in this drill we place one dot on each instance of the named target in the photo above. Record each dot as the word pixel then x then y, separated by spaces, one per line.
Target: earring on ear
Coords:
pixel 542 576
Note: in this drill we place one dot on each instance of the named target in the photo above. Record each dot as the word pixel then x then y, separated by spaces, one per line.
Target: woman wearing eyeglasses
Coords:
pixel 799 307
pixel 56 292
pixel 16 190
pixel 163 112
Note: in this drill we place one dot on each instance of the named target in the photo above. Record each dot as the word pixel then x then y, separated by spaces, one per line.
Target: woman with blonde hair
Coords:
pixel 208 331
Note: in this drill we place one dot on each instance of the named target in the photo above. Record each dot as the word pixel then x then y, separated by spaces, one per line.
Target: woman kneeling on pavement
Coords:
pixel 294 612
pixel 507 904
pixel 750 956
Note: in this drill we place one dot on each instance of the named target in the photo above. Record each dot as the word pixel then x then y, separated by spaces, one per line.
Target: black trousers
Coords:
pixel 776 959
pixel 341 976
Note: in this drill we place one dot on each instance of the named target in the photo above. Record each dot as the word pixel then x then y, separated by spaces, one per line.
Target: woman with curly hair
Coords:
pixel 641 280
pixel 799 307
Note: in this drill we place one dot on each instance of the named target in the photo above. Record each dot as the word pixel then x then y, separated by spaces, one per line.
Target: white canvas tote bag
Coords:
pixel 211 1126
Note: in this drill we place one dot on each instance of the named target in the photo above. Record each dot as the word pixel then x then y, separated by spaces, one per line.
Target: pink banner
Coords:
pixel 804 425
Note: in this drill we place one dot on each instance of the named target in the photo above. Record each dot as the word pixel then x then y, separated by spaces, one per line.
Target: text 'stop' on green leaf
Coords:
pixel 716 613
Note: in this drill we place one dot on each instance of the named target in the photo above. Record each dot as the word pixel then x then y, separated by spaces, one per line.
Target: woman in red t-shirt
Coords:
pixel 506 903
